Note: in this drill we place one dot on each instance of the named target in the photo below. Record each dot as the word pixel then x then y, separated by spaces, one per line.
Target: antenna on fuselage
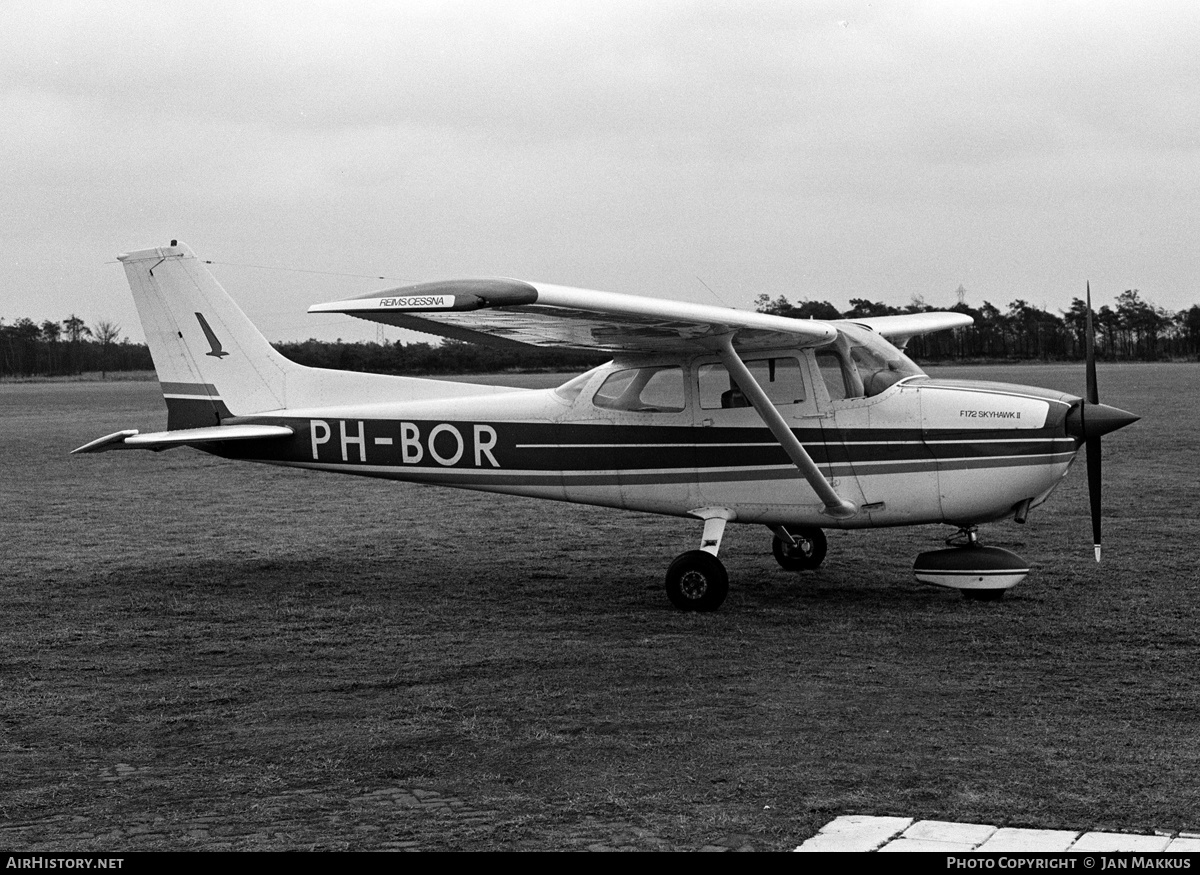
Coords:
pixel 720 300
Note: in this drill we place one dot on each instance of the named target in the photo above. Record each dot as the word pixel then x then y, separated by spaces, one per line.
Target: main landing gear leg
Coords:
pixel 696 580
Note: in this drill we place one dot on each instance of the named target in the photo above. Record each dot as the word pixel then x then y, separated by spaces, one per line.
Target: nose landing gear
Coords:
pixel 979 573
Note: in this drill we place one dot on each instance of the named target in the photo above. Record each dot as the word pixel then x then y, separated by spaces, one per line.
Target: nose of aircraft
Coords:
pixel 1087 421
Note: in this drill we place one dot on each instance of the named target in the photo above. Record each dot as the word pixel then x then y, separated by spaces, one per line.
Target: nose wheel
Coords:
pixel 979 573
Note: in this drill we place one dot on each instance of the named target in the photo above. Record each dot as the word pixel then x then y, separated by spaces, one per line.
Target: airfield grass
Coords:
pixel 199 654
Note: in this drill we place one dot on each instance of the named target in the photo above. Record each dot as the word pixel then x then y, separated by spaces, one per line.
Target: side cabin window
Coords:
pixel 643 390
pixel 779 377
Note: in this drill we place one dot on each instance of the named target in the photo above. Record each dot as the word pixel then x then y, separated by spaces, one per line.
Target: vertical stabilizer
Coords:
pixel 211 360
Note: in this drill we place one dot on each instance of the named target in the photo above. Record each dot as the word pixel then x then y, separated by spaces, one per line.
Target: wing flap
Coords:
pixel 131 439
pixel 513 312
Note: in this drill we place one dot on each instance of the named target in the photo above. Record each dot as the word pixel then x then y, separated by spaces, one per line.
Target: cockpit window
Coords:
pixel 779 377
pixel 861 364
pixel 644 390
pixel 879 364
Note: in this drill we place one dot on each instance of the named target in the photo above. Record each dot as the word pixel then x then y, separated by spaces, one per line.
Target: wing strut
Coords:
pixel 835 505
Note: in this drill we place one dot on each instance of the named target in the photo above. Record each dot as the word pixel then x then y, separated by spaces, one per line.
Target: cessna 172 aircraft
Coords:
pixel 712 413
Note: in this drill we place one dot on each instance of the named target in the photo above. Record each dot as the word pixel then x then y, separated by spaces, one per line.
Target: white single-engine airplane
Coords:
pixel 713 413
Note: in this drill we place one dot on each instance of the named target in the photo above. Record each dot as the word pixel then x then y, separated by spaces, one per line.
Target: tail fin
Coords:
pixel 211 360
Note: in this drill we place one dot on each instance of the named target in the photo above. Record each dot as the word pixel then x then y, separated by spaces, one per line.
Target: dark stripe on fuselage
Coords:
pixel 553 448
pixel 569 479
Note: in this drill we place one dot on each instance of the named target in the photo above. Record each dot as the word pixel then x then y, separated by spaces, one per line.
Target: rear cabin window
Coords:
pixel 570 390
pixel 643 390
pixel 779 378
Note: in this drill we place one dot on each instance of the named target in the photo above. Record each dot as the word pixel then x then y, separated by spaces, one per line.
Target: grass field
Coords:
pixel 197 654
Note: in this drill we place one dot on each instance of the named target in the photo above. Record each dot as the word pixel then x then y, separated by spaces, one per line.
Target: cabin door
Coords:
pixel 739 463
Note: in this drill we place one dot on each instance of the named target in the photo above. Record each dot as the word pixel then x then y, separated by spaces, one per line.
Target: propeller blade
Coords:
pixel 1093 478
pixel 1093 443
pixel 1093 393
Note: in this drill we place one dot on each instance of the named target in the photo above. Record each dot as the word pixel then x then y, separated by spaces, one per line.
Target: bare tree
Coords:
pixel 106 333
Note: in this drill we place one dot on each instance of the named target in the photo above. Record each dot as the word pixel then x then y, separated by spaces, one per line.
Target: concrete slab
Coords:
pixel 903 845
pixel 1045 841
pixel 856 832
pixel 970 834
pixel 1119 841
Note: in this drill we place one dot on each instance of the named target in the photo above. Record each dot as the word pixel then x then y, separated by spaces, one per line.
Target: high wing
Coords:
pixel 509 312
pixel 505 312
pixel 904 327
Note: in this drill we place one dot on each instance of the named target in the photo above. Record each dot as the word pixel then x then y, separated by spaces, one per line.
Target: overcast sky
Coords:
pixel 817 150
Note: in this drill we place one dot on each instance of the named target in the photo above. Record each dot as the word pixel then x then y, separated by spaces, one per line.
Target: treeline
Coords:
pixel 67 348
pixel 1133 330
pixel 60 349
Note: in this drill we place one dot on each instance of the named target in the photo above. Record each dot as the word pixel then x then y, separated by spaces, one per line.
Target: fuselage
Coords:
pixel 670 436
pixel 705 412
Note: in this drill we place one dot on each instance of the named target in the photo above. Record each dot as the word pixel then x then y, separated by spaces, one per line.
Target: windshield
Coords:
pixel 879 364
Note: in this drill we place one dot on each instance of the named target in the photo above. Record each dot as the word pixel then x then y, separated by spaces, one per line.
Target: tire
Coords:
pixel 983 595
pixel 805 556
pixel 697 581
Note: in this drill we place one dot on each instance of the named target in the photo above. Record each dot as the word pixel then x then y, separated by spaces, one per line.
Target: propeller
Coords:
pixel 1090 420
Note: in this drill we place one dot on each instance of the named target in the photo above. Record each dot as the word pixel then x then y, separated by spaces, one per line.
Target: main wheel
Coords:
pixel 697 581
pixel 805 555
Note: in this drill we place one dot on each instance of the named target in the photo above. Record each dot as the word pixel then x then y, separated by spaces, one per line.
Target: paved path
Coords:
pixel 854 832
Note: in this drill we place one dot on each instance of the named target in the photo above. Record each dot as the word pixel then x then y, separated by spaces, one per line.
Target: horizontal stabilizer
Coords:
pixel 130 439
